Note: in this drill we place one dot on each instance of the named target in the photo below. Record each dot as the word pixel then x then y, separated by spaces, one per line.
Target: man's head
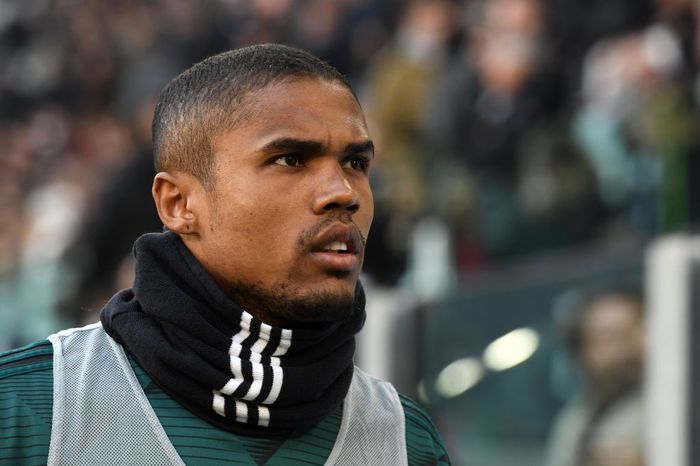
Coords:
pixel 263 156
pixel 608 338
pixel 211 97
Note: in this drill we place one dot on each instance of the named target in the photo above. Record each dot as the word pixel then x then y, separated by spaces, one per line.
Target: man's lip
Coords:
pixel 341 232
pixel 336 262
pixel 343 262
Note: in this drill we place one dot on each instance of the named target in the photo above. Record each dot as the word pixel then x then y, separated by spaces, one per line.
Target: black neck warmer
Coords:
pixel 216 359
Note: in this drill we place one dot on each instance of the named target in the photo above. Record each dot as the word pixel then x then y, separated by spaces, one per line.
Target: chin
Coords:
pixel 323 300
pixel 323 305
pixel 341 283
pixel 292 302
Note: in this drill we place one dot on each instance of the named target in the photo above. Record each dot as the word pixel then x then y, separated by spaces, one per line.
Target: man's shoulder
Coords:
pixel 35 358
pixel 26 380
pixel 423 442
pixel 26 403
pixel 416 413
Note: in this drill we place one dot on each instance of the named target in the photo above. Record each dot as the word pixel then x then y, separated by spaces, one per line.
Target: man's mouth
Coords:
pixel 338 248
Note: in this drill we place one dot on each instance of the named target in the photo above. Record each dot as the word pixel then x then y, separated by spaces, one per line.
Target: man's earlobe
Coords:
pixel 176 196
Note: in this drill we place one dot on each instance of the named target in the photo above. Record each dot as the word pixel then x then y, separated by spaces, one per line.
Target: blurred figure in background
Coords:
pixel 496 126
pixel 602 425
pixel 637 124
pixel 398 84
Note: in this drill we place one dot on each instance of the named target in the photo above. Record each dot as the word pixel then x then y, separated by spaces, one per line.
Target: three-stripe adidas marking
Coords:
pixel 257 375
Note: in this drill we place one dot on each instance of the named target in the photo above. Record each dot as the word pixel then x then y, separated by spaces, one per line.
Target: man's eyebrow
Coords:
pixel 359 148
pixel 308 146
pixel 294 145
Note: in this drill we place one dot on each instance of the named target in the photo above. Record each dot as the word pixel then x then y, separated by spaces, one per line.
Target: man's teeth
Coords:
pixel 337 246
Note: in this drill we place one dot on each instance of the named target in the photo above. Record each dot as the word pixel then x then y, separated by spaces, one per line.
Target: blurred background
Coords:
pixel 531 155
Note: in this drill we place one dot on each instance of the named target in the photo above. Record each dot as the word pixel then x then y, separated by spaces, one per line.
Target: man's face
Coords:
pixel 613 343
pixel 286 221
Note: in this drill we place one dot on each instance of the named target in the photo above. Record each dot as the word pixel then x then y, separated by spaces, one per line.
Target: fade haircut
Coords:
pixel 211 97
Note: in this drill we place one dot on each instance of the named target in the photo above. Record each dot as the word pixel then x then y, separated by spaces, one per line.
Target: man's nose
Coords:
pixel 334 191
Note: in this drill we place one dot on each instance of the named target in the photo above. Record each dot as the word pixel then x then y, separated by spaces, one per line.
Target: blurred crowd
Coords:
pixel 520 125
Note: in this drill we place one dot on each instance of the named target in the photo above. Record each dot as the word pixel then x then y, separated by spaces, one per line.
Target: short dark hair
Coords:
pixel 210 97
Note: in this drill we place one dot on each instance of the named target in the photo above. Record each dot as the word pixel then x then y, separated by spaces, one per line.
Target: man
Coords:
pixel 602 425
pixel 235 343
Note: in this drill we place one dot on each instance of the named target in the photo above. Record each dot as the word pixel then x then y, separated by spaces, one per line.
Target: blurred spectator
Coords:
pixel 636 123
pixel 602 425
pixel 398 83
pixel 496 118
pixel 574 26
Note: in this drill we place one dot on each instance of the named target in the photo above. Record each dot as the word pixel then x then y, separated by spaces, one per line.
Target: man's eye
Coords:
pixel 357 163
pixel 288 161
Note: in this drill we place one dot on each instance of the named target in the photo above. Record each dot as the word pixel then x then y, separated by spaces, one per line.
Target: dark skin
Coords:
pixel 282 228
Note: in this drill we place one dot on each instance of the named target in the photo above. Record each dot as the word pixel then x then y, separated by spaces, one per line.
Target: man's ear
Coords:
pixel 181 202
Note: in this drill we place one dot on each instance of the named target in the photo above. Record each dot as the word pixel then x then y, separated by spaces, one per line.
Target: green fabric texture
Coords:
pixel 26 402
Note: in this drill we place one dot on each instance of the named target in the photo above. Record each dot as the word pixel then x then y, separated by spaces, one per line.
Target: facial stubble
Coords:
pixel 287 305
pixel 286 302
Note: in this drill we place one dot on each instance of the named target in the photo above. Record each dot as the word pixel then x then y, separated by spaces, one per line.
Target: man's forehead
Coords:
pixel 294 109
pixel 309 90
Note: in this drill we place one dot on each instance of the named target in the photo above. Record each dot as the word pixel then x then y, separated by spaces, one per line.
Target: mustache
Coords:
pixel 308 235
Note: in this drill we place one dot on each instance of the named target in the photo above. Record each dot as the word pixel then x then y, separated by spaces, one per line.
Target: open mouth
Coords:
pixel 340 238
pixel 338 248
